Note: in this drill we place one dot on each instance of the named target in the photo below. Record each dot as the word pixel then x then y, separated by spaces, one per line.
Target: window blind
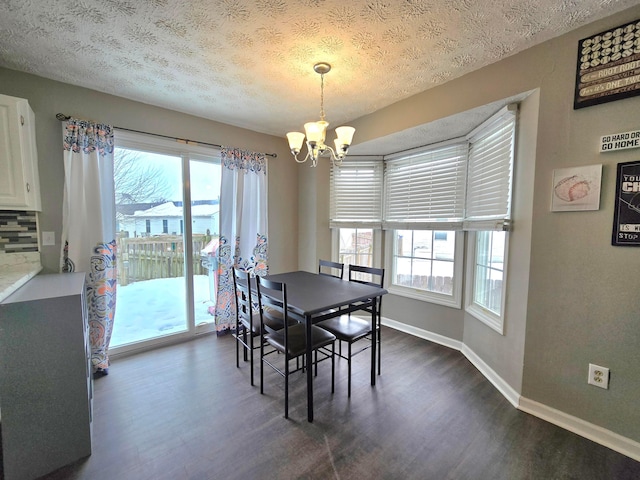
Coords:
pixel 356 194
pixel 490 172
pixel 426 190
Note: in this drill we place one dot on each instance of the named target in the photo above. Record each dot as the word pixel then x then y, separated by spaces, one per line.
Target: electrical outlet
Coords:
pixel 48 238
pixel 598 376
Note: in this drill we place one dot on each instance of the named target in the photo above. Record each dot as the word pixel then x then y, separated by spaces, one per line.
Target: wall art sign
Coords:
pixel 608 66
pixel 620 141
pixel 576 188
pixel 626 216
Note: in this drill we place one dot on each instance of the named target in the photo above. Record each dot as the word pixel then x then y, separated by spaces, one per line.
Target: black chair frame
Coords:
pixel 290 340
pixel 327 267
pixel 247 327
pixel 350 329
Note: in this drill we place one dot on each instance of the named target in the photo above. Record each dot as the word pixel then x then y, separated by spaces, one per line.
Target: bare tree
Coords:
pixel 137 181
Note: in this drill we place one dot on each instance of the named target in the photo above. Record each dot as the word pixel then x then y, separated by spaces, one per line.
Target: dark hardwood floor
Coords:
pixel 186 412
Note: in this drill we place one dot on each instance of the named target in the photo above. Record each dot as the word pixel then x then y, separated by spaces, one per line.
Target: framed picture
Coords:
pixel 576 188
pixel 626 216
pixel 608 65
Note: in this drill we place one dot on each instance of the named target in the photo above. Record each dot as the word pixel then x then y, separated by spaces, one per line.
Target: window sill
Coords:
pixel 487 317
pixel 430 297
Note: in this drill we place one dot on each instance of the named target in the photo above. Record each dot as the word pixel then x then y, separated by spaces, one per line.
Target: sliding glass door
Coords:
pixel 167 215
pixel 205 218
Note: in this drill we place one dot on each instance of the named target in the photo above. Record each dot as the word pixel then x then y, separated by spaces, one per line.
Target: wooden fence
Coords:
pixel 362 257
pixel 445 285
pixel 161 256
pixel 425 282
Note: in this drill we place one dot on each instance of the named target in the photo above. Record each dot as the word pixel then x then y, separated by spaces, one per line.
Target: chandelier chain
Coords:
pixel 322 97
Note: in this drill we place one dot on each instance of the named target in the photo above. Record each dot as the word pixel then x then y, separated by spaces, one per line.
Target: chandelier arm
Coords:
pixel 295 155
pixel 335 159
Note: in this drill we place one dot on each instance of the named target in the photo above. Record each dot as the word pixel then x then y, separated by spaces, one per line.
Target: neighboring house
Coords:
pixel 168 218
pixel 127 209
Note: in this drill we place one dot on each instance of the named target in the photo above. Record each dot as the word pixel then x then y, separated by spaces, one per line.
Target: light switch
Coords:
pixel 48 238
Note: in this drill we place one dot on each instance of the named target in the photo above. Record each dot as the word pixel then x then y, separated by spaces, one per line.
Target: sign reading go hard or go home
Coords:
pixel 620 141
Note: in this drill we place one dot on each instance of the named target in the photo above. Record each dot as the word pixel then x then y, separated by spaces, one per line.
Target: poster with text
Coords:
pixel 626 217
pixel 608 66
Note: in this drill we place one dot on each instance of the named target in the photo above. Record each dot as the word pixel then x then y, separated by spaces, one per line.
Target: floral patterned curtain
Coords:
pixel 88 227
pixel 243 226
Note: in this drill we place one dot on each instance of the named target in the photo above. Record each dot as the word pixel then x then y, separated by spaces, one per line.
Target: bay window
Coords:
pixel 427 199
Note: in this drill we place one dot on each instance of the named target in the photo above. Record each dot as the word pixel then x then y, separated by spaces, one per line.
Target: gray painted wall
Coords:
pixel 314 242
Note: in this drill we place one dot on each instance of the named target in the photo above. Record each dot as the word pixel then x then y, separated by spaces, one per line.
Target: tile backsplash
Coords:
pixel 18 231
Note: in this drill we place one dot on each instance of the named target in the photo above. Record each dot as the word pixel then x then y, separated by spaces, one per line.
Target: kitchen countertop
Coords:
pixel 16 269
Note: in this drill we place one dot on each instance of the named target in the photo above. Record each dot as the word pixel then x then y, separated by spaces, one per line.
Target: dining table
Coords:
pixel 313 297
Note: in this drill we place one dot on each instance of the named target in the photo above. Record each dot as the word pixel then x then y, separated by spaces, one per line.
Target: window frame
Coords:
pixel 481 313
pixel 132 140
pixel 356 196
pixel 377 242
pixel 497 134
pixel 454 300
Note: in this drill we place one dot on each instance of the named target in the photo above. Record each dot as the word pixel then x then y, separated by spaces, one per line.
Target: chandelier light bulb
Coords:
pixel 345 135
pixel 316 131
pixel 296 139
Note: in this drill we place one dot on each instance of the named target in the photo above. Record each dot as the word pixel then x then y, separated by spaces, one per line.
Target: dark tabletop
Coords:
pixel 310 293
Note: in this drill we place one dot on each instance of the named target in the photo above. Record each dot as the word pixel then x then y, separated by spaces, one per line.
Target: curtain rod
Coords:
pixel 63 118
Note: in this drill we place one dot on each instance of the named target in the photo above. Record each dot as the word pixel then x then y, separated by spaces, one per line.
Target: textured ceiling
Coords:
pixel 455 126
pixel 249 62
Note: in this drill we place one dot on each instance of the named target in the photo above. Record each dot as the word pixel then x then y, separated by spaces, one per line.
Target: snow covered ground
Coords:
pixel 152 308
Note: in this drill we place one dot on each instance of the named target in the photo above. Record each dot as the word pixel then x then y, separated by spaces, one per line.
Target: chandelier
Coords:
pixel 316 133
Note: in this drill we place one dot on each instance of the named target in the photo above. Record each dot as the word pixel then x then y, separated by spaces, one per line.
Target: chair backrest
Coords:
pixel 242 290
pixel 332 269
pixel 272 302
pixel 369 276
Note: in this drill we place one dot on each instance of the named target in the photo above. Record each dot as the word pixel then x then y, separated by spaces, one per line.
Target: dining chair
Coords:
pixel 291 340
pixel 248 325
pixel 349 328
pixel 332 269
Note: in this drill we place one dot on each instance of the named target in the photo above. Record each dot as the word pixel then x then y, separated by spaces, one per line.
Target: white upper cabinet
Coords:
pixel 19 182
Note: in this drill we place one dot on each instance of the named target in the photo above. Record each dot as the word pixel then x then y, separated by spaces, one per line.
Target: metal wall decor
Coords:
pixel 608 66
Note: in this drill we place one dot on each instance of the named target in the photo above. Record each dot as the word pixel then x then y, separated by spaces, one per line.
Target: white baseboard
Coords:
pixel 421 333
pixel 597 434
pixel 503 387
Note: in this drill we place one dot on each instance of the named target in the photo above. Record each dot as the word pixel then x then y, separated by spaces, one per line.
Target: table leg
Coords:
pixel 374 341
pixel 308 323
